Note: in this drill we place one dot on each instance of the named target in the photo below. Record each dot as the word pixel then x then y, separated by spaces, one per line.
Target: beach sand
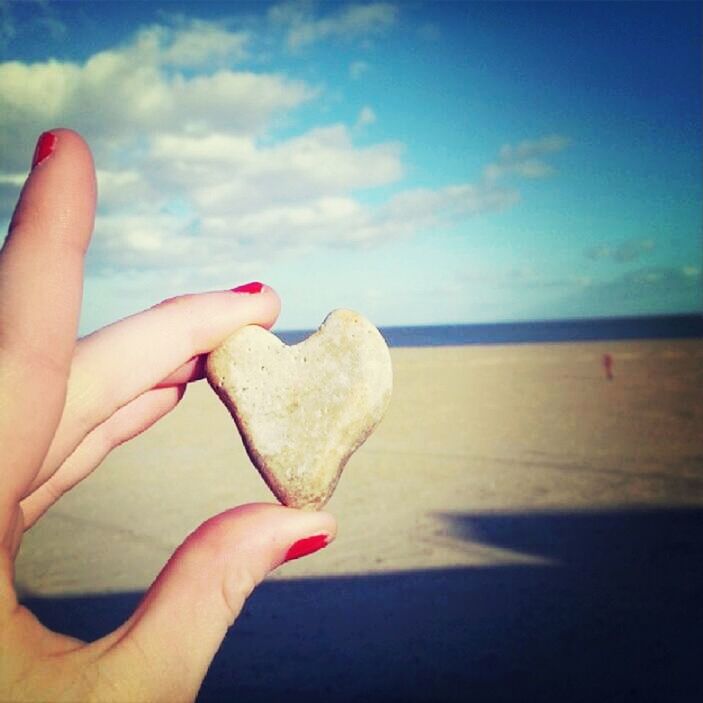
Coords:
pixel 516 520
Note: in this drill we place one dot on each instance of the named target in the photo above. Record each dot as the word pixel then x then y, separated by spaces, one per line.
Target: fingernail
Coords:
pixel 45 148
pixel 306 546
pixel 253 287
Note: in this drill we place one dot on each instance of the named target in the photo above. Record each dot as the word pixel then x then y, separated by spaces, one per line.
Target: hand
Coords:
pixel 65 404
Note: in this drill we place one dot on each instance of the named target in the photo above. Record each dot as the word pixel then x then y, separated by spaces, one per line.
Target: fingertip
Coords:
pixel 256 288
pixel 58 198
pixel 268 531
pixel 327 522
pixel 275 306
pixel 66 135
pixel 65 148
pixel 305 546
pixel 318 538
pixel 223 311
pixel 315 531
pixel 44 148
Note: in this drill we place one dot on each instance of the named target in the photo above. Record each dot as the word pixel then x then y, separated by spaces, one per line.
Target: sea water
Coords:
pixel 576 330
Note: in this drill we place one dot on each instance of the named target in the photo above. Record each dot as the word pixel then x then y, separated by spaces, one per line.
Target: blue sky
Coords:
pixel 419 162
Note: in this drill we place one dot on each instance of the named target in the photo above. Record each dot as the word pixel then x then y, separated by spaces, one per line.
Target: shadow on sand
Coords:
pixel 615 613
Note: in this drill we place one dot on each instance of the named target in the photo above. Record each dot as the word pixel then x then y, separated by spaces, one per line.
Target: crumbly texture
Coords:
pixel 303 410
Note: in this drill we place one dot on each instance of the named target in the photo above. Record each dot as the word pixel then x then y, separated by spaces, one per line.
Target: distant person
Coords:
pixel 54 430
pixel 608 366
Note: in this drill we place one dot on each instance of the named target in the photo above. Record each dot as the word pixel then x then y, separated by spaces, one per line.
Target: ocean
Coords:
pixel 577 330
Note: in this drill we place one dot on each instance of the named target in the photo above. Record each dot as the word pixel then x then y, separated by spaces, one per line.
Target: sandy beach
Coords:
pixel 517 520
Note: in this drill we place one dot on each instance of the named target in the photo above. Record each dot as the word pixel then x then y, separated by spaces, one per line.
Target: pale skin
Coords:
pixel 64 404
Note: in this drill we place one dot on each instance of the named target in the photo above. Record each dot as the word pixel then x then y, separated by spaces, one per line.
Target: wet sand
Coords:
pixel 516 520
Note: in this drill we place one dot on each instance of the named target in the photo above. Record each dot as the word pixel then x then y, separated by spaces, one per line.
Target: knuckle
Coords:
pixel 211 549
pixel 188 310
pixel 174 302
pixel 34 361
pixel 107 436
pixel 54 488
pixel 238 583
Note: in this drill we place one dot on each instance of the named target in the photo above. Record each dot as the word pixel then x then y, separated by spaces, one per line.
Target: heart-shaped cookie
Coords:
pixel 302 410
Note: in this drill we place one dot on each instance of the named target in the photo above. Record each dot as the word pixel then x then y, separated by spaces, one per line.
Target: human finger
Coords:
pixel 192 370
pixel 41 279
pixel 181 622
pixel 128 422
pixel 117 363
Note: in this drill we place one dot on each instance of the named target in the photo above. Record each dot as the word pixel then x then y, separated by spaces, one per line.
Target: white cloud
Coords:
pixel 120 93
pixel 43 20
pixel 13 179
pixel 122 188
pixel 521 277
pixel 532 148
pixel 622 252
pixel 529 168
pixel 200 43
pixel 425 205
pixel 429 32
pixel 246 203
pixel 231 174
pixel 661 278
pixel 7 23
pixel 524 159
pixel 200 204
pixel 349 22
pixel 142 241
pixel 189 188
pixel 291 12
pixel 294 228
pixel 366 117
pixel 357 69
pixel 648 290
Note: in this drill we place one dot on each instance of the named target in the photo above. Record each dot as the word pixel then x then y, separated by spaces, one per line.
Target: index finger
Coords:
pixel 116 364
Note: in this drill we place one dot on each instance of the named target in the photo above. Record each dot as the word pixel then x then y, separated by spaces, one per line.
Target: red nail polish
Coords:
pixel 45 148
pixel 253 287
pixel 306 546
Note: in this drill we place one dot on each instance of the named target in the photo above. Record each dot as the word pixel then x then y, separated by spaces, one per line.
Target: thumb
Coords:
pixel 164 650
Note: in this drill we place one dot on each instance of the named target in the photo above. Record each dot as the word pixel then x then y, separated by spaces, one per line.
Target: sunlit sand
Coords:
pixel 470 431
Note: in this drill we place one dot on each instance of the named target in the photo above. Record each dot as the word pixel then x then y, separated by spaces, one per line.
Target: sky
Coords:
pixel 419 162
